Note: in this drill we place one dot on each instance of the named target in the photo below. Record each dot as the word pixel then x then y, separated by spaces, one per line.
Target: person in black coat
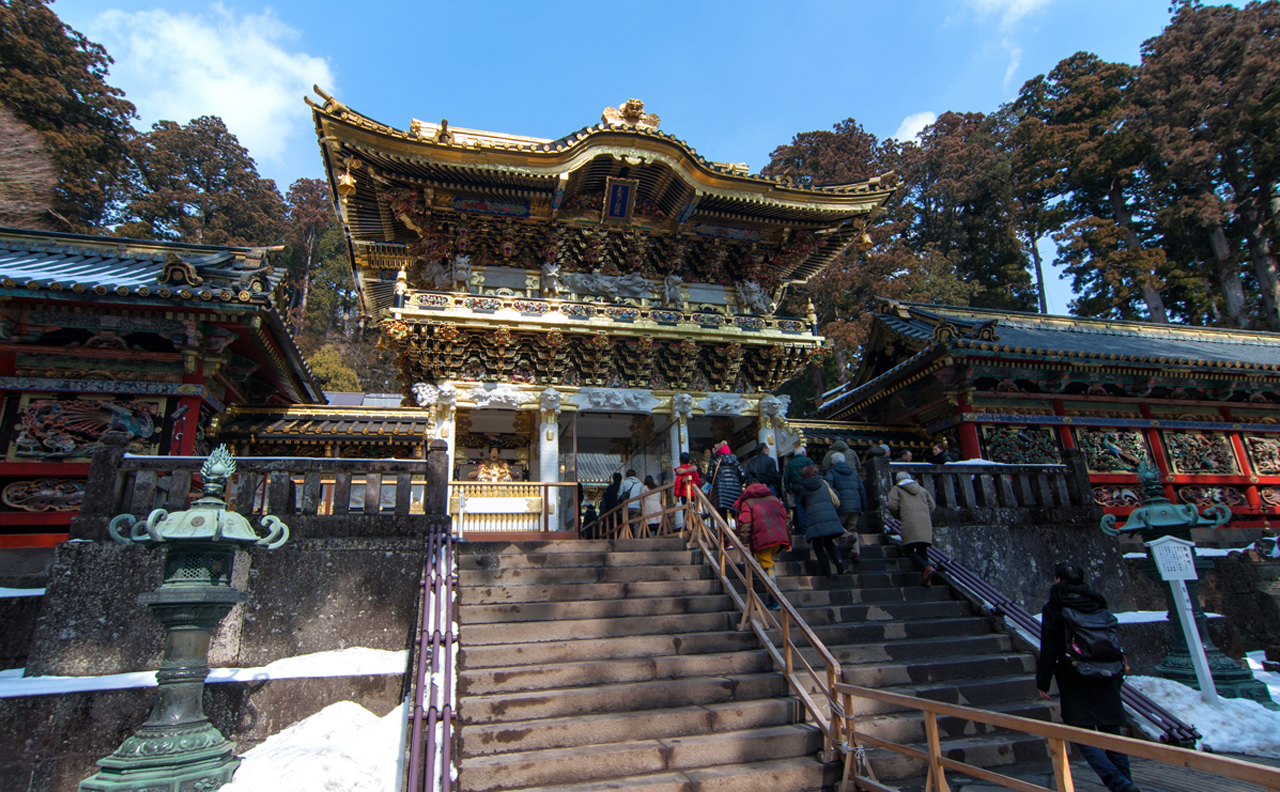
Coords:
pixel 821 521
pixel 725 476
pixel 941 455
pixel 763 469
pixel 610 502
pixel 1087 703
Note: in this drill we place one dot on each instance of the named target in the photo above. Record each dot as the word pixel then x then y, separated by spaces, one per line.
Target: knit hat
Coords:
pixel 903 478
pixel 723 449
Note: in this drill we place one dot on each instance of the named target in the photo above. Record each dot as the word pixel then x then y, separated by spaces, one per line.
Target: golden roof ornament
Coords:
pixel 630 114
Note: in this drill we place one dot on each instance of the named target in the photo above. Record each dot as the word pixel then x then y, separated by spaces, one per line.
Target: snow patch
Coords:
pixel 1238 726
pixel 354 661
pixel 16 592
pixel 342 748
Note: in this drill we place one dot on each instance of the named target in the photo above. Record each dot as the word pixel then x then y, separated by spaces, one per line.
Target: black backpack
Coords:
pixel 1093 644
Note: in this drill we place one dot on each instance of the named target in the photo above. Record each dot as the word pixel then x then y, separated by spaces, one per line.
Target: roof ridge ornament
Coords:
pixel 630 114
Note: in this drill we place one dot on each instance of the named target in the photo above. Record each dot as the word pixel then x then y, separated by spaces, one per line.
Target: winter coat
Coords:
pixel 726 481
pixel 850 489
pixel 763 468
pixel 610 500
pixel 912 504
pixel 687 480
pixel 1085 702
pixel 632 487
pixel 820 517
pixel 841 447
pixel 792 474
pixel 941 459
pixel 652 502
pixel 762 519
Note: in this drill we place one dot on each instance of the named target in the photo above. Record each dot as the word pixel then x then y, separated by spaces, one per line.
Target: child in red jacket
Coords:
pixel 762 523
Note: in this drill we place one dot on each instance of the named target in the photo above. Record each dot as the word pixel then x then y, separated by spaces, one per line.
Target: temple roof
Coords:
pixel 906 336
pixel 220 284
pixel 326 423
pixel 437 190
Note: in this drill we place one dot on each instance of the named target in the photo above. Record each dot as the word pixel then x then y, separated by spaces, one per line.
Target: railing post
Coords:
pixel 101 489
pixel 1061 767
pixel 937 776
pixel 435 494
pixel 878 485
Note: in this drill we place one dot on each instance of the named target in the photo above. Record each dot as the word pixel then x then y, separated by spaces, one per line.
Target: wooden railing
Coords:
pixel 785 635
pixel 625 522
pixel 858 774
pixel 513 507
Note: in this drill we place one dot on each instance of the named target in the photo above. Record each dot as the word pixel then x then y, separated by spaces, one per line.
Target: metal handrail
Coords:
pixel 433 678
pixel 718 543
pixel 1172 729
pixel 1057 734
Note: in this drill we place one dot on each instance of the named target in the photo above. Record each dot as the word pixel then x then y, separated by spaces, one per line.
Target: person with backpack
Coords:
pixel 725 476
pixel 630 488
pixel 822 522
pixel 913 505
pixel 1080 647
pixel 761 468
pixel 792 476
pixel 762 523
pixel 852 493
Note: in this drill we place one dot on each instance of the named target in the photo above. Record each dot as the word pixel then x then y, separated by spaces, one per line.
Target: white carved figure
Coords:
pixel 682 406
pixel 425 395
pixel 671 291
pixel 634 285
pixel 447 399
pixel 753 299
pixel 550 279
pixel 730 403
pixel 462 273
pixel 550 400
pixel 503 395
pixel 437 276
pixel 619 399
pixel 771 407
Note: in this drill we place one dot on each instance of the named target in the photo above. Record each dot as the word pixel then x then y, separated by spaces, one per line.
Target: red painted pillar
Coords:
pixel 1064 431
pixel 1157 451
pixel 1242 453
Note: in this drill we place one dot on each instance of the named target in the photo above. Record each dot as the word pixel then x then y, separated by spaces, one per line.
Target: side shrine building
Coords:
pixel 609 294
pixel 1202 404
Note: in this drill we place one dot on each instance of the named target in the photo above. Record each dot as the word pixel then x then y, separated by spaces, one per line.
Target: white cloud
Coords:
pixel 1015 60
pixel 177 67
pixel 1009 11
pixel 914 124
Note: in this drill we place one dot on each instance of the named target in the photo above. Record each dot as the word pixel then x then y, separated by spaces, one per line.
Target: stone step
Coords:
pixel 592 609
pixel 968 692
pixel 656 694
pixel 512 679
pixel 908 727
pixel 562 560
pixel 807 596
pixel 801 774
pixel 995 749
pixel 614 574
pixel 918 651
pixel 881 632
pixel 621 761
pixel 715 642
pixel 540 631
pixel 617 727
pixel 883 612
pixel 661 544
pixel 490 595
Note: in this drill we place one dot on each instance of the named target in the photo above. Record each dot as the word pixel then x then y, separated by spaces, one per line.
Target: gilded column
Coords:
pixel 773 417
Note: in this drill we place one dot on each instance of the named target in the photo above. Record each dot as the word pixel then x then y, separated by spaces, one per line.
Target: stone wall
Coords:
pixel 53 742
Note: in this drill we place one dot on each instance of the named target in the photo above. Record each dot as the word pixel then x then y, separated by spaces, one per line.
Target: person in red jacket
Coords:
pixel 687 478
pixel 762 523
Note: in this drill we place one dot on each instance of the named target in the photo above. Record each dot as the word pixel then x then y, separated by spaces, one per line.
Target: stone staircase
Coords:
pixel 595 665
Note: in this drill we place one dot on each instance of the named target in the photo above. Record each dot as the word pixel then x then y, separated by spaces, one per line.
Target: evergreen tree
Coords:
pixel 54 80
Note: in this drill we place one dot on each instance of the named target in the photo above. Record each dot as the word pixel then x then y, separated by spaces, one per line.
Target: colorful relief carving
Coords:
pixel 1264 452
pixel 1112 450
pixel 1022 445
pixel 1200 452
pixel 1270 497
pixel 69 429
pixel 1117 496
pixel 1207 496
pixel 44 495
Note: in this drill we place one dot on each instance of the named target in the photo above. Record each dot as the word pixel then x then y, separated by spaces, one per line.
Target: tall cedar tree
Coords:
pixel 309 210
pixel 196 183
pixel 27 176
pixel 54 80
pixel 1208 96
pixel 1075 140
pixel 844 295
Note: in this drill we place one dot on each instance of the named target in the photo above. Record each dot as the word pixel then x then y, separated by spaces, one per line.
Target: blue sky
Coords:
pixel 734 79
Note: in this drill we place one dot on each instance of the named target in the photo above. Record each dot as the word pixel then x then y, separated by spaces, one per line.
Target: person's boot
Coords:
pixel 926 577
pixel 839 567
pixel 772 603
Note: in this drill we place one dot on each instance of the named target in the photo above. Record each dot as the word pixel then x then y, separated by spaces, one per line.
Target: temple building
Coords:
pixel 153 338
pixel 608 293
pixel 1202 404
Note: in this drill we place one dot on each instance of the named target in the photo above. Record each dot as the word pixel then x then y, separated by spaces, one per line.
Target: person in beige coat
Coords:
pixel 913 505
